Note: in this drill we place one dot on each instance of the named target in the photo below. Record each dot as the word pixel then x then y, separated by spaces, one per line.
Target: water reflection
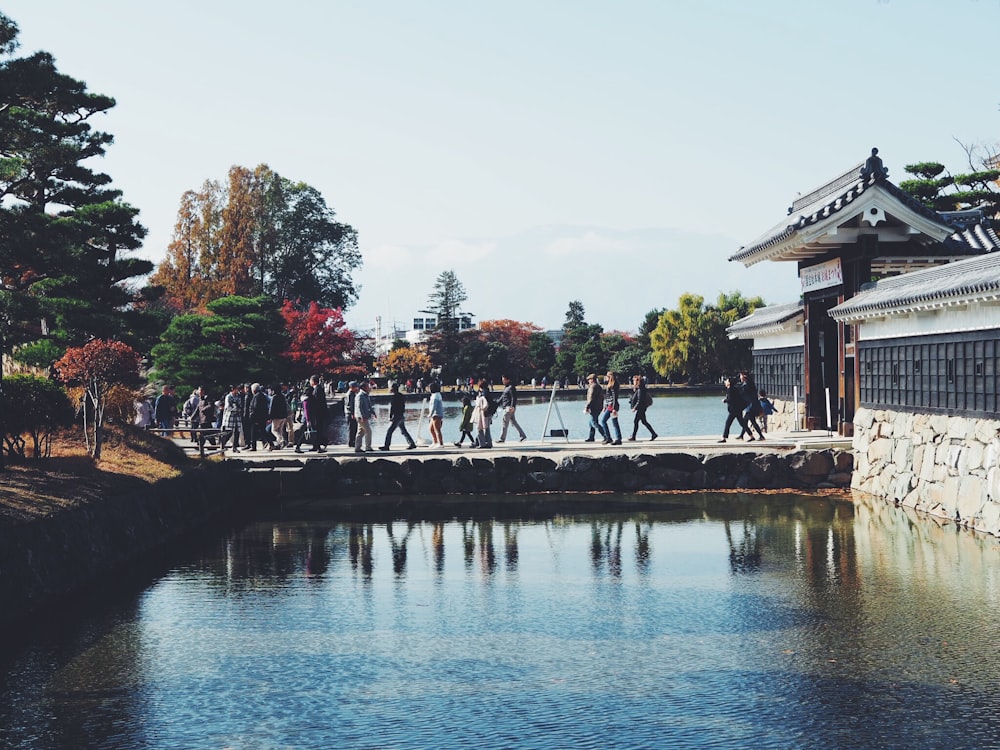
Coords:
pixel 693 620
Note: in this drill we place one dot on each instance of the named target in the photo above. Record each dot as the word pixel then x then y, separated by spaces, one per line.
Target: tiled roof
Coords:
pixel 975 231
pixel 962 280
pixel 832 198
pixel 765 319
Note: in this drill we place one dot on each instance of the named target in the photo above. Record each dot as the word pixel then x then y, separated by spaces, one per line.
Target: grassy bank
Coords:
pixel 35 488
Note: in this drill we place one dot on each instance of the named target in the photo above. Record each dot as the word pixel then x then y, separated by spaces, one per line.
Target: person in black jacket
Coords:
pixel 318 413
pixel 753 409
pixel 258 419
pixel 735 405
pixel 397 414
pixel 639 402
pixel 508 405
pixel 277 412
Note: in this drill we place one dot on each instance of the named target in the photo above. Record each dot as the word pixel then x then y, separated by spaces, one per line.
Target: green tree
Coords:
pixel 42 406
pixel 632 360
pixel 937 188
pixel 240 339
pixel 445 303
pixel 63 230
pixel 541 355
pixel 690 343
pixel 576 333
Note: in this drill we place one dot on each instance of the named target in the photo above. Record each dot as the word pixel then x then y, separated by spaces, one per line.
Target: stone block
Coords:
pixel 989 521
pixel 971 497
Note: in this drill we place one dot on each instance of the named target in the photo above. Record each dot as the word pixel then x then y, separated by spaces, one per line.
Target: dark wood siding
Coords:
pixel 944 373
pixel 778 371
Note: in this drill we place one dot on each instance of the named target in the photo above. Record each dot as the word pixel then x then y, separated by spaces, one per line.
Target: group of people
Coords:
pixel 602 408
pixel 745 405
pixel 283 416
pixel 247 416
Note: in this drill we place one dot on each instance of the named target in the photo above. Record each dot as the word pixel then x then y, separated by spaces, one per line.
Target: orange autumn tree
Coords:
pixel 405 362
pixel 320 341
pixel 98 366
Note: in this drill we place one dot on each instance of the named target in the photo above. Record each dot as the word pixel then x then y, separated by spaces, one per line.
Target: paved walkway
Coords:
pixel 553 447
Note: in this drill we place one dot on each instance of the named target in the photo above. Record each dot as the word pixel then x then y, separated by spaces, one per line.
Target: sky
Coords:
pixel 546 151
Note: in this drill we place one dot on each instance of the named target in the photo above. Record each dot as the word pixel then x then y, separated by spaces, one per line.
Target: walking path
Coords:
pixel 552 447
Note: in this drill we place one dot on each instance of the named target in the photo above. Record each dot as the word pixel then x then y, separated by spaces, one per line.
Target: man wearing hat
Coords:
pixel 594 407
pixel 350 405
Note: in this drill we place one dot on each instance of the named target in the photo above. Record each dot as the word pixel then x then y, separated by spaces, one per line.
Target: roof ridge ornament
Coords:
pixel 874 168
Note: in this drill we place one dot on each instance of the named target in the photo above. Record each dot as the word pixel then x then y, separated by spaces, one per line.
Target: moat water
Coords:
pixel 690 620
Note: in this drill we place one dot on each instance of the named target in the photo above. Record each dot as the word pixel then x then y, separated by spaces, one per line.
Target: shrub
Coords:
pixel 33 406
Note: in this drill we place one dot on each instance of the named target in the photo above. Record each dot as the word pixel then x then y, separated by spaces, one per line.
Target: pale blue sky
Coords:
pixel 612 153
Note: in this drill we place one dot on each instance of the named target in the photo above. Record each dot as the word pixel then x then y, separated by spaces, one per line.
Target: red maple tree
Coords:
pixel 320 340
pixel 97 366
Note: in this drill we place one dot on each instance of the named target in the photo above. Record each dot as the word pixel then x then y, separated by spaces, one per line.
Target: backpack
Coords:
pixel 491 406
pixel 648 400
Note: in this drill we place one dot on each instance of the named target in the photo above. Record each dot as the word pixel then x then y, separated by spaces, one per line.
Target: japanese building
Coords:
pixel 850 232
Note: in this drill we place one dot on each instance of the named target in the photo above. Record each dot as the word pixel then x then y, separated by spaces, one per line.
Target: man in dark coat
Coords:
pixel 397 414
pixel 258 419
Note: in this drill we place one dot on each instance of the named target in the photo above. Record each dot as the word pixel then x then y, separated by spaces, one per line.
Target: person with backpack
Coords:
pixel 466 426
pixel 767 409
pixel 753 408
pixel 639 402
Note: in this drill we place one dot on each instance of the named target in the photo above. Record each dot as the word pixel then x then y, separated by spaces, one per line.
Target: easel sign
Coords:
pixel 560 433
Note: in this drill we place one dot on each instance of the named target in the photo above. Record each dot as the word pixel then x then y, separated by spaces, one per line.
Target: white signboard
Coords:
pixel 821 276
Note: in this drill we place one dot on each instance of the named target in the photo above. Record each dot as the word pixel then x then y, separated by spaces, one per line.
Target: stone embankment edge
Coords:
pixel 45 559
pixel 72 549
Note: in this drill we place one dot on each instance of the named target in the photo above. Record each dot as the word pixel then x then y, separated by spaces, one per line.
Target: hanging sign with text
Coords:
pixel 821 276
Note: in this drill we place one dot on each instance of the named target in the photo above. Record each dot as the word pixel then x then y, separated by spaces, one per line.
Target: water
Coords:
pixel 696 621
pixel 673 415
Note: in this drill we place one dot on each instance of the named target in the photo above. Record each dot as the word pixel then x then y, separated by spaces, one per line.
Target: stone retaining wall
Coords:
pixel 69 550
pixel 574 473
pixel 786 417
pixel 945 466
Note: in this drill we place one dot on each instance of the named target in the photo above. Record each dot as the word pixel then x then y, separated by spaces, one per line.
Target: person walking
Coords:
pixel 595 404
pixel 319 413
pixel 277 413
pixel 165 409
pixel 611 410
pixel 435 410
pixel 258 419
pixel 735 405
pixel 205 415
pixel 364 412
pixel 232 417
pixel 483 415
pixel 753 408
pixel 766 407
pixel 639 401
pixel 190 412
pixel 508 404
pixel 466 425
pixel 350 412
pixel 313 418
pixel 397 414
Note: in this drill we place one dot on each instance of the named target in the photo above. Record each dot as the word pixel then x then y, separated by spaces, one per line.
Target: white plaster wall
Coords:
pixel 945 466
pixel 973 317
pixel 779 340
